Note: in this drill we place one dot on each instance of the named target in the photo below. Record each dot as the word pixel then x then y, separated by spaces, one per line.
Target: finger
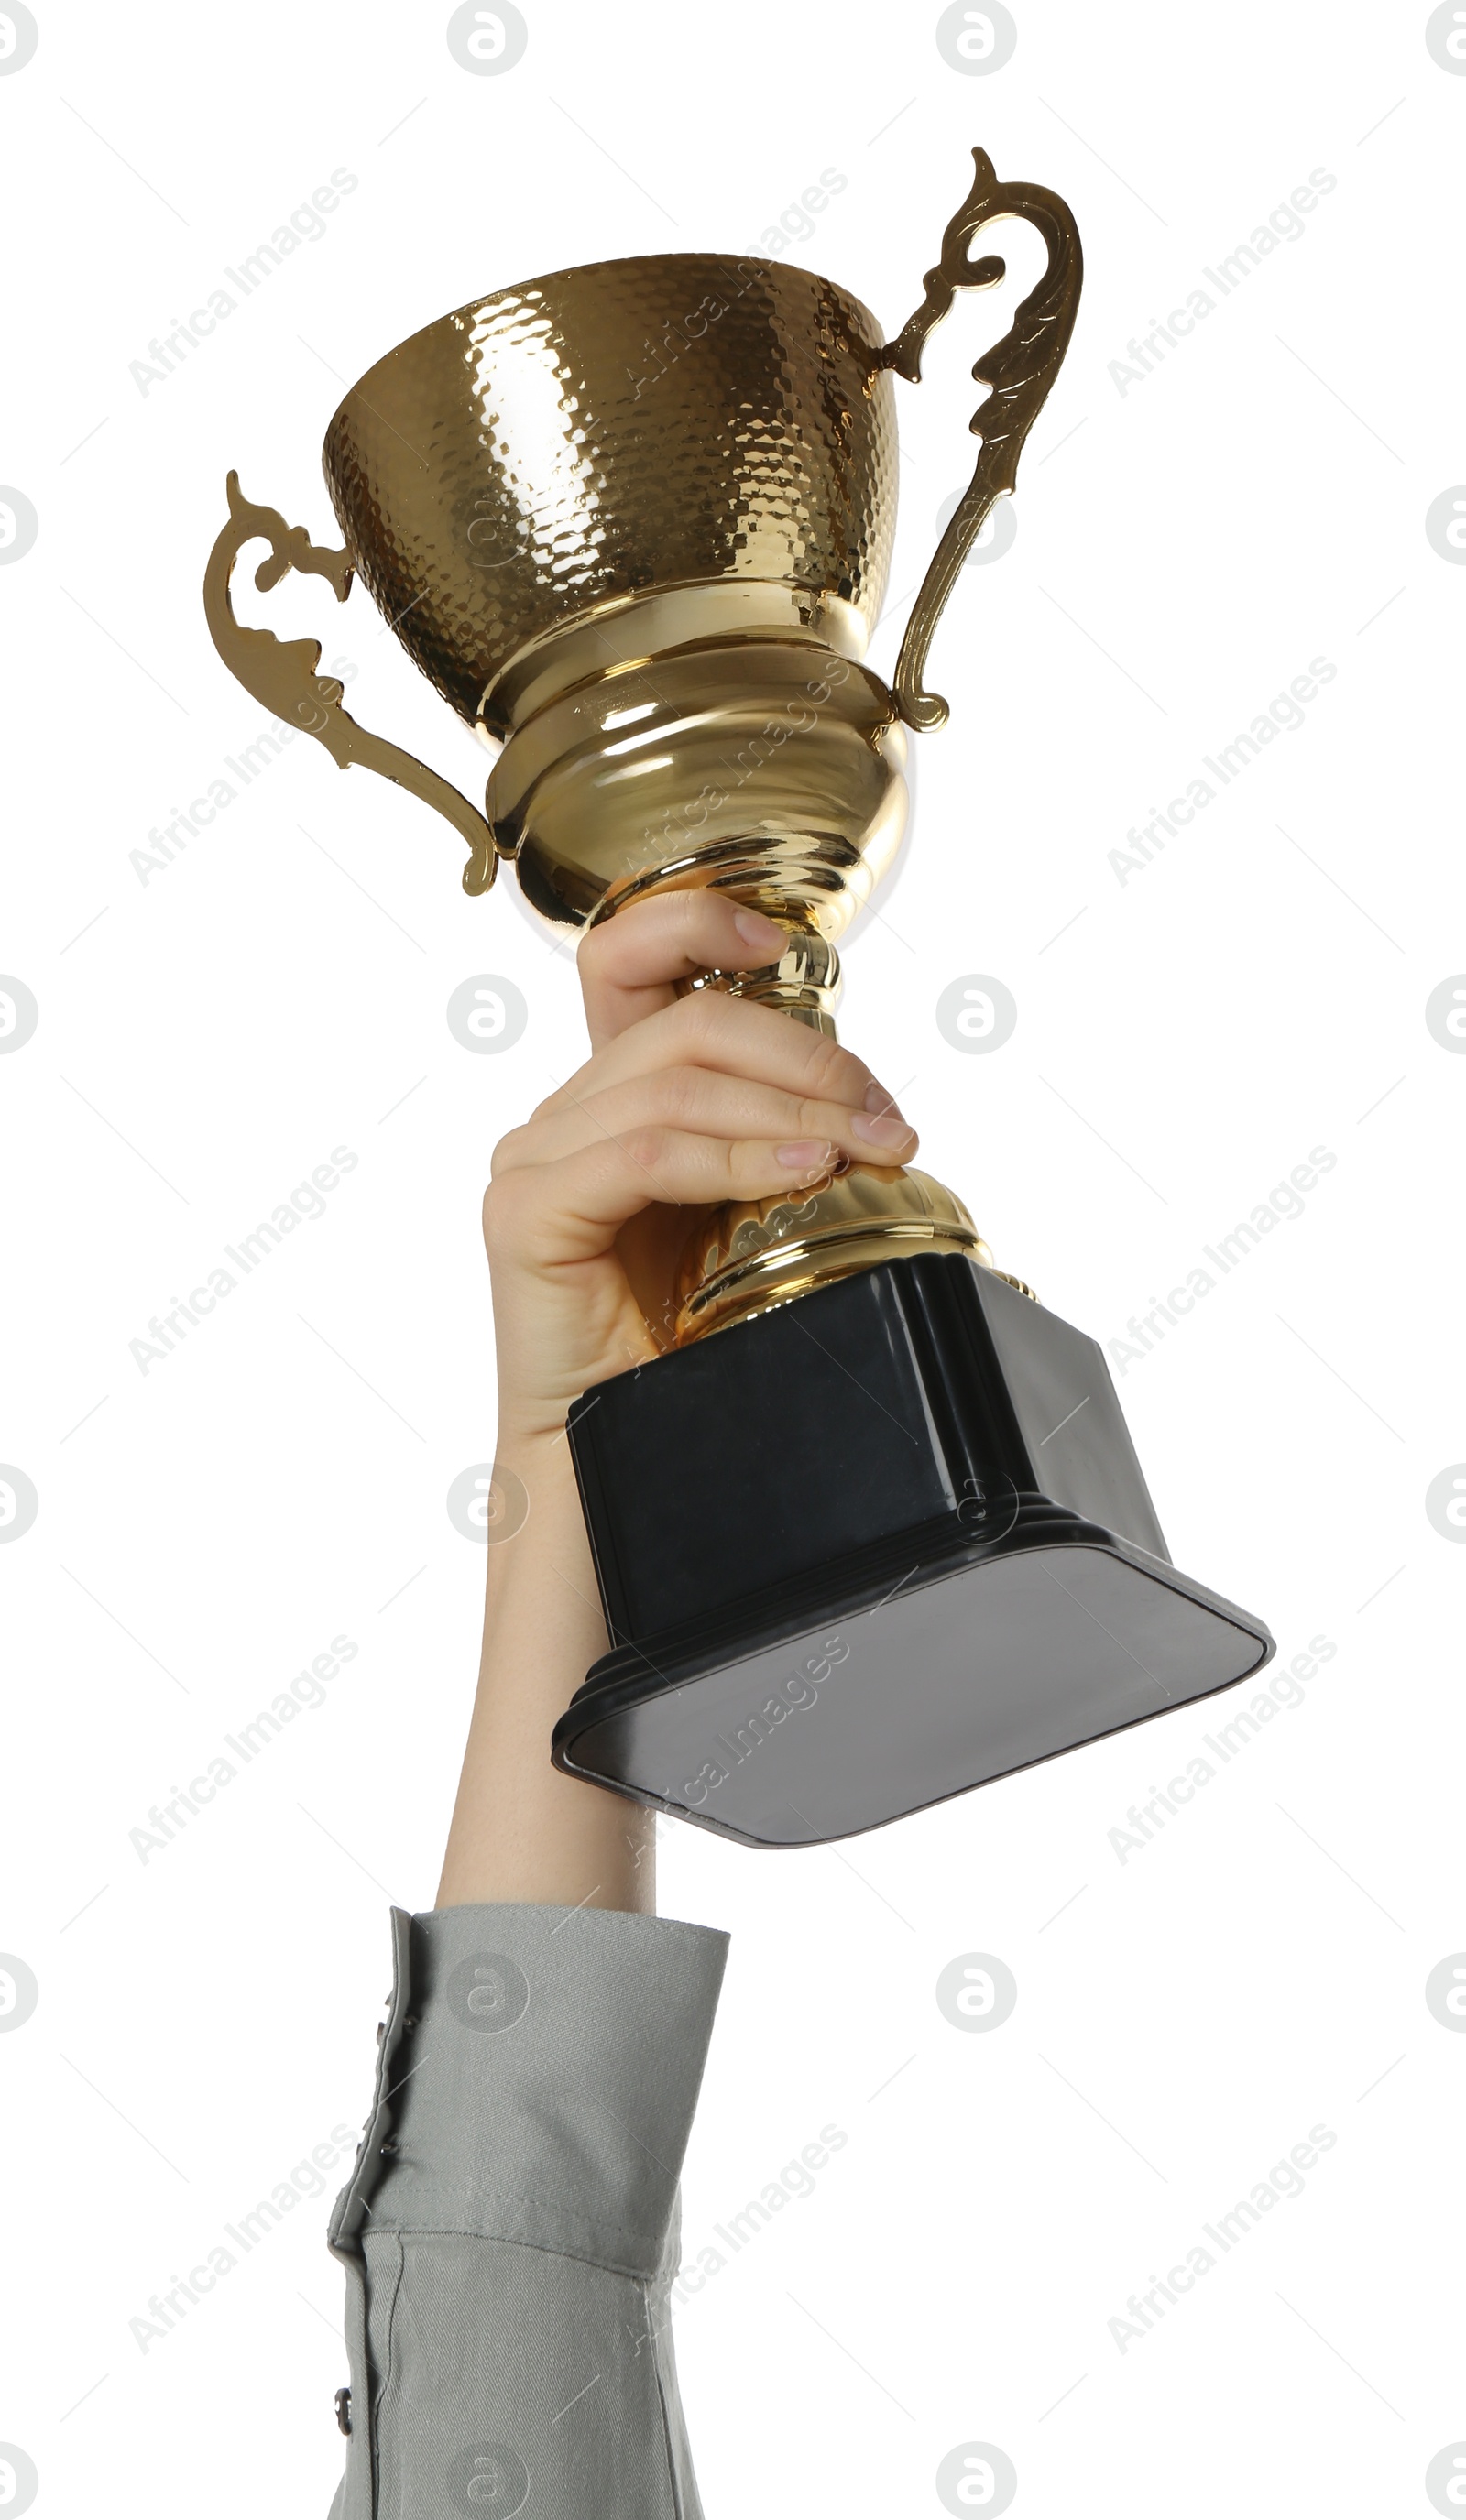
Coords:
pixel 710 1029
pixel 629 963
pixel 709 1104
pixel 570 1210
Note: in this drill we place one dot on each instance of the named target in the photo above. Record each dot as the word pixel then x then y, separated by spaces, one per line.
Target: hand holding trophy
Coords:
pixel 634 522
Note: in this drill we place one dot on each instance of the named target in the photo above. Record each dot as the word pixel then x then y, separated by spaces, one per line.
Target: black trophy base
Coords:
pixel 884 1544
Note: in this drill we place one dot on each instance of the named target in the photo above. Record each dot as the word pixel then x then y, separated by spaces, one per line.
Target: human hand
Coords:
pixel 684 1101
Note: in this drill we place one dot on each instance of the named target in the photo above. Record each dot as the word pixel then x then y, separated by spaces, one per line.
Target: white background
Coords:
pixel 1185 548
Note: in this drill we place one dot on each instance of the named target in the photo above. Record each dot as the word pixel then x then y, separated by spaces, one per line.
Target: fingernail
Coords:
pixel 877 1099
pixel 805 1155
pixel 880 1133
pixel 765 935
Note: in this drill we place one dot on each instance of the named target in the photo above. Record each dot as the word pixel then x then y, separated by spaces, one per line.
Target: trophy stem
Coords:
pixel 748 1256
pixel 805 982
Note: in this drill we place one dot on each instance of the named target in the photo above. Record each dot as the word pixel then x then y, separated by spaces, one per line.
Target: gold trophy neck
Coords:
pixel 766 765
pixel 625 634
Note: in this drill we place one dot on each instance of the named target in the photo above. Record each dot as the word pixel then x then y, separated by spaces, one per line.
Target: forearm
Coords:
pixel 521 1830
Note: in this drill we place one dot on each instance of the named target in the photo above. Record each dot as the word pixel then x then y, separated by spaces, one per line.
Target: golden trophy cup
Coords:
pixel 635 520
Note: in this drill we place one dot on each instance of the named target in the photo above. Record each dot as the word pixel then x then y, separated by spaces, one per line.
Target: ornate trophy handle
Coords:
pixel 1020 368
pixel 281 673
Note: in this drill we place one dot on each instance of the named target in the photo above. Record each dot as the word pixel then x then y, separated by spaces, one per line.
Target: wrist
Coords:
pixel 540 1547
pixel 530 1436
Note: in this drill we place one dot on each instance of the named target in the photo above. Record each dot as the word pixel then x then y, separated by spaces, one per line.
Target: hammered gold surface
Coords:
pixel 603 431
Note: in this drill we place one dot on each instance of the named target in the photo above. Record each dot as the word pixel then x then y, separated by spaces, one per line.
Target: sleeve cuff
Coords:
pixel 538 2073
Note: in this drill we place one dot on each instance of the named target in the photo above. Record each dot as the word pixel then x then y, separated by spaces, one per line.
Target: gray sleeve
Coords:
pixel 509 2232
